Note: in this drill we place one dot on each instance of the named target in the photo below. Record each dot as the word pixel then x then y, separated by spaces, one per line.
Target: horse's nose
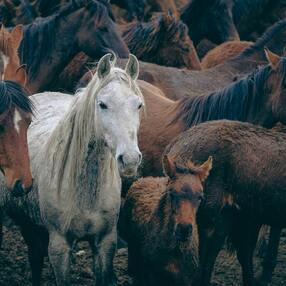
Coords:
pixel 183 231
pixel 130 159
pixel 18 189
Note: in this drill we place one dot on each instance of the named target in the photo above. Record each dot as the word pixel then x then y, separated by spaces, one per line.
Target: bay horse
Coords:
pixel 246 182
pixel 163 41
pixel 45 52
pixel 210 19
pixel 225 51
pixel 160 224
pixel 256 98
pixel 80 145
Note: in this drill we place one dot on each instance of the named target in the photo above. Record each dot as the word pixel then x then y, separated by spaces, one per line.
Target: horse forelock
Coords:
pixel 14 95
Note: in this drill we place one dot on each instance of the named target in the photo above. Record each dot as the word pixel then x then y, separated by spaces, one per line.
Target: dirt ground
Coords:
pixel 14 269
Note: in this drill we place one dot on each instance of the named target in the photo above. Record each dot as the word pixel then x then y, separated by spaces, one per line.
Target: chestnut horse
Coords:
pixel 159 218
pixel 84 26
pixel 223 52
pixel 245 189
pixel 9 44
pixel 163 41
pixel 15 118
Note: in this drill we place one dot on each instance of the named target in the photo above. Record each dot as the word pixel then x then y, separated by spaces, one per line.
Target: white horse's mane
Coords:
pixel 67 148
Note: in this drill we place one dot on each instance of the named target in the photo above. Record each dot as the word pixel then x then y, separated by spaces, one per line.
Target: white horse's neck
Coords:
pixel 78 161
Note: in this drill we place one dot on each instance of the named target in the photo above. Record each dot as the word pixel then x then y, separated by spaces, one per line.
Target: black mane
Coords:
pixel 239 101
pixel 145 39
pixel 13 94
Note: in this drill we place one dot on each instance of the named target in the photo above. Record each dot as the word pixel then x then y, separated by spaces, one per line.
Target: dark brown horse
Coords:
pixel 245 189
pixel 49 44
pixel 163 41
pixel 159 217
pixel 143 9
pixel 13 12
pixel 210 19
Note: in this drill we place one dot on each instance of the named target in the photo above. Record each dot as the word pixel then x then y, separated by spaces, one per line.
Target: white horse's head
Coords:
pixel 118 104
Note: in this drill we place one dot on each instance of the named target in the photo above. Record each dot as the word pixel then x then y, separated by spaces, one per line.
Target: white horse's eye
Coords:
pixel 102 105
pixel 140 106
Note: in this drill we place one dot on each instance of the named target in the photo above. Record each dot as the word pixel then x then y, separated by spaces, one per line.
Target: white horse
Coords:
pixel 79 146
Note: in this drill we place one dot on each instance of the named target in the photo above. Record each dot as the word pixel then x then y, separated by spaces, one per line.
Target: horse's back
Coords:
pixel 50 107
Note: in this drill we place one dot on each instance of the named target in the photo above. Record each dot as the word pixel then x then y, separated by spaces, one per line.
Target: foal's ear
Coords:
pixel 17 36
pixel 205 168
pixel 169 167
pixel 104 66
pixel 132 67
pixel 272 58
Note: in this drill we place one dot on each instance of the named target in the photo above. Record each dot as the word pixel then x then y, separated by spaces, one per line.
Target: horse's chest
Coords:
pixel 98 221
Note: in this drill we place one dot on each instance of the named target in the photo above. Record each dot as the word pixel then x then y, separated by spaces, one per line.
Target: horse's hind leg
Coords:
pixel 103 254
pixel 37 242
pixel 270 259
pixel 59 256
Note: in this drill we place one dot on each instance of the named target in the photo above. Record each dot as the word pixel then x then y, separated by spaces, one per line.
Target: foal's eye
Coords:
pixel 140 106
pixel 102 105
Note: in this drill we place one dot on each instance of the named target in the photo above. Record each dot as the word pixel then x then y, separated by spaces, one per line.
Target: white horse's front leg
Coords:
pixel 103 254
pixel 59 256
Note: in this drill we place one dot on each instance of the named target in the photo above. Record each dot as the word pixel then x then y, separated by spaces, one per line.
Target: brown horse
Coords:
pixel 15 118
pixel 159 218
pixel 49 44
pixel 257 98
pixel 223 52
pixel 245 189
pixel 9 44
pixel 163 41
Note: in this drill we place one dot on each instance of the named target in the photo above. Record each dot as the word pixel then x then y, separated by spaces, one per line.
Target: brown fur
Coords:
pixel 223 52
pixel 9 44
pixel 160 226
pixel 245 189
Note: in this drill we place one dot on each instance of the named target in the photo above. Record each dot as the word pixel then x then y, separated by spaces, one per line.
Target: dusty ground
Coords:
pixel 14 270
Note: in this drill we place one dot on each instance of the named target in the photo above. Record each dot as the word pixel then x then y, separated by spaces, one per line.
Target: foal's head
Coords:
pixel 119 102
pixel 15 118
pixel 185 191
pixel 9 44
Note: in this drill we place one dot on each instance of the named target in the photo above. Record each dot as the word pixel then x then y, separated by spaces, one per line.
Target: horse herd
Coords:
pixel 203 131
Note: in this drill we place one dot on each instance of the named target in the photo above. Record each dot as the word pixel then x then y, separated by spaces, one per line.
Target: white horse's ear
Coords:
pixel 113 58
pixel 104 66
pixel 132 67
